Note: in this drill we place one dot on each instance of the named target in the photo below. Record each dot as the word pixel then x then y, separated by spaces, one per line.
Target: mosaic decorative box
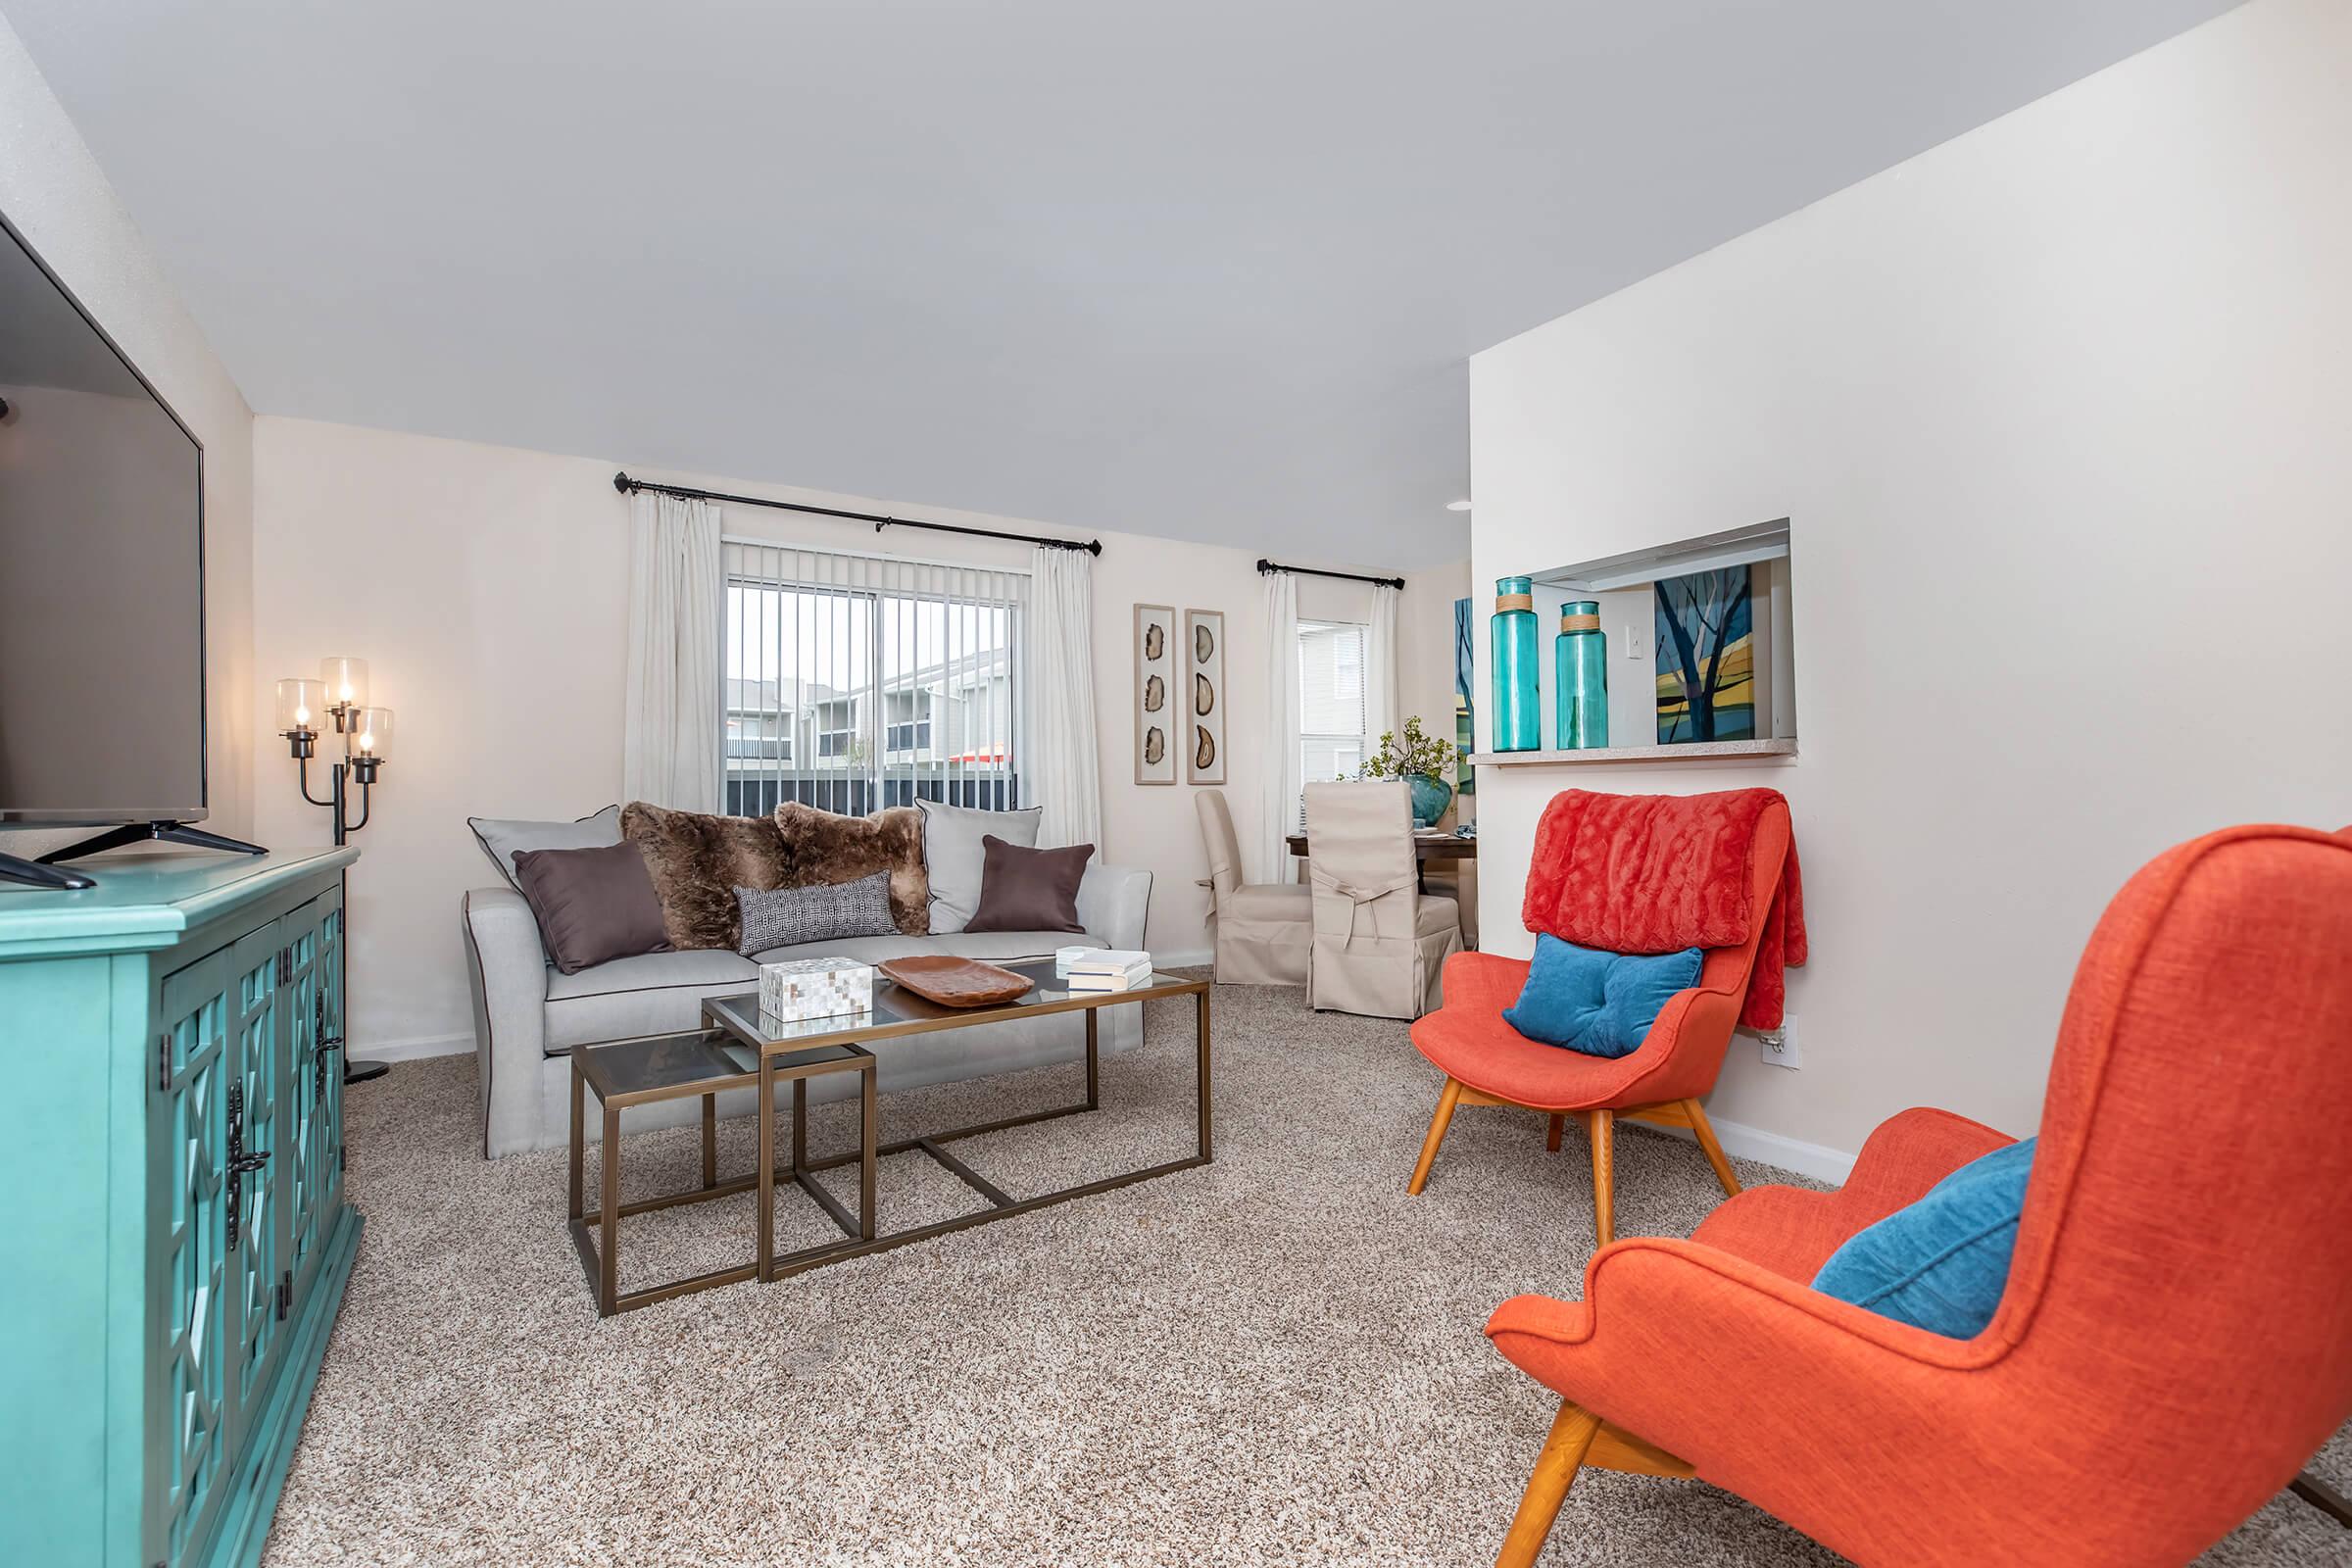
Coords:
pixel 815 987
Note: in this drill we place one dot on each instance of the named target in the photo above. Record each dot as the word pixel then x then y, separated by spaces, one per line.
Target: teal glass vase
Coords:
pixel 1431 795
pixel 1518 705
pixel 1579 686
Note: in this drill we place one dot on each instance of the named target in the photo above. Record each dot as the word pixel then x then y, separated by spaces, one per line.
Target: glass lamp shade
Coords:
pixel 371 733
pixel 346 680
pixel 301 705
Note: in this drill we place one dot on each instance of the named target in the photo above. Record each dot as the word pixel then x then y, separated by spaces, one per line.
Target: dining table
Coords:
pixel 1427 847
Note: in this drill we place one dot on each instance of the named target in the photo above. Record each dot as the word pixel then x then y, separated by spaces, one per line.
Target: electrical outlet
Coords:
pixel 1779 1046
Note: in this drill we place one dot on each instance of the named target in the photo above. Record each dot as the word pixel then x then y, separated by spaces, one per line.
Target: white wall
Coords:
pixel 1425 688
pixel 53 191
pixel 1425 645
pixel 486 586
pixel 2059 412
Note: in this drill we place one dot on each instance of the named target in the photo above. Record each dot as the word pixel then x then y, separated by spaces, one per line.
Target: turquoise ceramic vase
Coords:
pixel 1431 796
pixel 1518 714
pixel 1579 685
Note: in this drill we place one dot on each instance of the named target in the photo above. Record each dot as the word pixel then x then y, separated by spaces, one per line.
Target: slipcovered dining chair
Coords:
pixel 2170 1342
pixel 1262 930
pixel 1380 942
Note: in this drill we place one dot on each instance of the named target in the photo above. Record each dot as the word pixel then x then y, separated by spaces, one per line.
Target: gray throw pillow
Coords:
pixel 954 860
pixel 500 840
pixel 788 917
pixel 593 905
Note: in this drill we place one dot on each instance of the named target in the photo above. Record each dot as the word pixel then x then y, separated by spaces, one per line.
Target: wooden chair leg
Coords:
pixel 1447 1098
pixel 1600 1130
pixel 1704 1131
pixel 1555 1471
pixel 1551 1134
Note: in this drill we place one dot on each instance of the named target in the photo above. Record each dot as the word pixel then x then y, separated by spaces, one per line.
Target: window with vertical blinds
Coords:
pixel 853 682
pixel 1332 718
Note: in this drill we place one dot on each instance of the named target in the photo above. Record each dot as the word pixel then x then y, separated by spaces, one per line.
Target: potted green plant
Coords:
pixel 1422 760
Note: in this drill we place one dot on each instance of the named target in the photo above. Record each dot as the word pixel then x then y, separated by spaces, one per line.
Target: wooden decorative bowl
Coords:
pixel 957 982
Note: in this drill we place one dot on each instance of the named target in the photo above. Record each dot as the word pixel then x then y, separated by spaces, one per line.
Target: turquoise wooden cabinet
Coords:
pixel 173 1235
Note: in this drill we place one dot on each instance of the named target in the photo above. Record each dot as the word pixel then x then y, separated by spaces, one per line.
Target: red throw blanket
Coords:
pixel 1659 873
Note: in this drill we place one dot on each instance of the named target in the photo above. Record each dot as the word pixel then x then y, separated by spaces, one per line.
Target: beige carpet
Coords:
pixel 1275 1359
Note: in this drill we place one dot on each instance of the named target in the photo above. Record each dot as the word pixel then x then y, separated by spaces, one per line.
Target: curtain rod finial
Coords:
pixel 621 481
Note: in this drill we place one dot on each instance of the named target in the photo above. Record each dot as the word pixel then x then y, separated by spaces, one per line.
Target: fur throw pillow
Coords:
pixel 822 847
pixel 698 860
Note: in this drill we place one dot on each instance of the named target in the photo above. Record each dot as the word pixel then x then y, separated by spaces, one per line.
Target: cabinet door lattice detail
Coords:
pixel 257 1245
pixel 194 1242
pixel 315 1020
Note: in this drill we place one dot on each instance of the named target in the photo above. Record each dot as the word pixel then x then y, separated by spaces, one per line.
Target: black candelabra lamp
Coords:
pixel 340 694
pixel 305 708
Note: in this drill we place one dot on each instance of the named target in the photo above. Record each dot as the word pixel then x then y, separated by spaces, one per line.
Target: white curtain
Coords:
pixel 1278 813
pixel 1380 668
pixel 670 730
pixel 1067 782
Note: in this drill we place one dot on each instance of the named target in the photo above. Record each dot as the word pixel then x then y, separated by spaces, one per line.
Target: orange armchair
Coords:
pixel 2174 1328
pixel 1488 1062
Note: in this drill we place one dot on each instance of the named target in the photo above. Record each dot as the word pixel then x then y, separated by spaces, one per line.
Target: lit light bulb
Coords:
pixel 301 717
pixel 368 741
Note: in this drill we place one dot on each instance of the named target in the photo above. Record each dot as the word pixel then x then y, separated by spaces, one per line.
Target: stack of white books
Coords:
pixel 1105 970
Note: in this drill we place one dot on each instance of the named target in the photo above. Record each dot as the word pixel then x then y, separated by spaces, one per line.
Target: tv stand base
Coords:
pixel 33 874
pixel 44 872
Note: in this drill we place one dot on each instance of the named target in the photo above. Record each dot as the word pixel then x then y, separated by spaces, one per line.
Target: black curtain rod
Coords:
pixel 624 484
pixel 1317 571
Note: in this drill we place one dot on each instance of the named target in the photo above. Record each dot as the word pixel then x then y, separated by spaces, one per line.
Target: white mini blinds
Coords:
pixel 852 682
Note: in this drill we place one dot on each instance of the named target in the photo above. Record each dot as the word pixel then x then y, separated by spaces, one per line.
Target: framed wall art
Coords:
pixel 1204 695
pixel 1159 727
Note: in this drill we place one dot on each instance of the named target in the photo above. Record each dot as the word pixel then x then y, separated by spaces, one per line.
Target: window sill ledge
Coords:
pixel 1781 747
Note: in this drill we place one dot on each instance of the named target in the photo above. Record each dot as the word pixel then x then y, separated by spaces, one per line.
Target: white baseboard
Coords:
pixel 413 1048
pixel 1742 1142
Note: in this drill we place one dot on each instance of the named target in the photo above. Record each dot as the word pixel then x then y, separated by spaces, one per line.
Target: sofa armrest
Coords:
pixel 1113 903
pixel 508 967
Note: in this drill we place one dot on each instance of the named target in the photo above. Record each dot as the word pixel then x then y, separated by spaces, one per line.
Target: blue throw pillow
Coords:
pixel 1941 1263
pixel 1601 1004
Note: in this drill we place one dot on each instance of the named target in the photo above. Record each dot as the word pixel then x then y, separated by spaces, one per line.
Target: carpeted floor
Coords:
pixel 1272 1360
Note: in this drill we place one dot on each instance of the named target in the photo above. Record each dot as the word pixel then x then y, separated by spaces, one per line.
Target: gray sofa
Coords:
pixel 527 1018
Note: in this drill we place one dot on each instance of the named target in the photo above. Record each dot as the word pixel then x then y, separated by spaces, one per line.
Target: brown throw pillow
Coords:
pixel 592 906
pixel 1029 890
pixel 696 862
pixel 823 847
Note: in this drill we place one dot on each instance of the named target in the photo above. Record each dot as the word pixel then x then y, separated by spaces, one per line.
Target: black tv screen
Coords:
pixel 101 571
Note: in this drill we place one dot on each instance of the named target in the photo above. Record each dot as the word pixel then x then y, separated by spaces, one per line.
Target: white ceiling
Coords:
pixel 1206 270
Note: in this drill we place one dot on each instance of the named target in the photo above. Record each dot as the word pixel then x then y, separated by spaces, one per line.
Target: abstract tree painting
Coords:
pixel 1706 648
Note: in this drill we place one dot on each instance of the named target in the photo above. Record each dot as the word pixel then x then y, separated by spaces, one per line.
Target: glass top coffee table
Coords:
pixel 898 1013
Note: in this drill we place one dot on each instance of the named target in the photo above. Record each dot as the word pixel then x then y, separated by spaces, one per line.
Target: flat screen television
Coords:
pixel 101 572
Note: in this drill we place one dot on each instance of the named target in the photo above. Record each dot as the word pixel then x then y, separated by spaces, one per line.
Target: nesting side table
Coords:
pixel 651 1068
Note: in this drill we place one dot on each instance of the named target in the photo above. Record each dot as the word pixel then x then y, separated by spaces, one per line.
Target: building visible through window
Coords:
pixel 883 682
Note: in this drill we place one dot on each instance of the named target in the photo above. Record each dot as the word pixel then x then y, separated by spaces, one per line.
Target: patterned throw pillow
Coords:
pixel 786 917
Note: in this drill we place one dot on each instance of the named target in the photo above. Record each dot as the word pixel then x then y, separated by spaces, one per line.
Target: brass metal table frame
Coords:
pixel 739 1015
pixel 703 1069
